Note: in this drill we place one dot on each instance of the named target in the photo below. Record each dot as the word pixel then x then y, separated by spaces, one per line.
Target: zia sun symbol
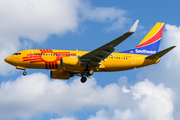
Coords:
pixel 47 56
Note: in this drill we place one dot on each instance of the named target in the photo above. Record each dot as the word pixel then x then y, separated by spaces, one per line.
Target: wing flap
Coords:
pixel 107 53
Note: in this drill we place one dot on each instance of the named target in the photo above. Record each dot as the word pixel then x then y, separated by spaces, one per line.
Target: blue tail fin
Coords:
pixel 150 44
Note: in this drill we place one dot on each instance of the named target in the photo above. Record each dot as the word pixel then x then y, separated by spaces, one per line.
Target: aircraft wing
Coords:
pixel 94 57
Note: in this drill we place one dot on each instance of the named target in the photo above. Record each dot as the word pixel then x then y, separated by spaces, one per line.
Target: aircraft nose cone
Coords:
pixel 8 59
pixel 5 59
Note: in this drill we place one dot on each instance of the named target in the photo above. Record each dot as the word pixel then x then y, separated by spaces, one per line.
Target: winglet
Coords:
pixel 160 54
pixel 133 28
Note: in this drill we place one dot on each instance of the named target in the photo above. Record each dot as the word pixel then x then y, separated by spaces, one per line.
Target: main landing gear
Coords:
pixel 88 72
pixel 83 79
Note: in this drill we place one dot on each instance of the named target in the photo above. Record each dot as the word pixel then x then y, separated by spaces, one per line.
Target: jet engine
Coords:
pixel 70 62
pixel 60 75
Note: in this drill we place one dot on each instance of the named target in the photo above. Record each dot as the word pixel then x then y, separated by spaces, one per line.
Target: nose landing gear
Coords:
pixel 22 68
pixel 25 73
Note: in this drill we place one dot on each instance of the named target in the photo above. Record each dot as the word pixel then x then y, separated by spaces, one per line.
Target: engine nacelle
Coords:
pixel 70 62
pixel 60 75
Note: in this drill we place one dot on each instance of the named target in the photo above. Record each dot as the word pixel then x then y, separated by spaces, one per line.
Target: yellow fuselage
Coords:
pixel 50 59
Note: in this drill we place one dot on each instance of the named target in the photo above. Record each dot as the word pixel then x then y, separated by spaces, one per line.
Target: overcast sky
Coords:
pixel 143 94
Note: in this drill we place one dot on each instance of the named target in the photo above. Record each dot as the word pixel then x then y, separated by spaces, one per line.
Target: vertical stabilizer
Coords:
pixel 150 44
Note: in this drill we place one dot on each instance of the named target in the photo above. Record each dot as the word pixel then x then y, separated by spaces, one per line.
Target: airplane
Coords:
pixel 68 63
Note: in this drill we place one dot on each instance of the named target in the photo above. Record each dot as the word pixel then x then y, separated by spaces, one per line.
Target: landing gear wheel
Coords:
pixel 90 72
pixel 83 79
pixel 24 73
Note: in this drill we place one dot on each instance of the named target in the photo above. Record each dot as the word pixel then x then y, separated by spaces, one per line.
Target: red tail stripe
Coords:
pixel 155 38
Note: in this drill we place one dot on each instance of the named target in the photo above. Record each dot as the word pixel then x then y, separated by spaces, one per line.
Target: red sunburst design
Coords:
pixel 37 57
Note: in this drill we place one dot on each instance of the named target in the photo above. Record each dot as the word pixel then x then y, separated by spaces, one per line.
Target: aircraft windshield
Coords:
pixel 16 53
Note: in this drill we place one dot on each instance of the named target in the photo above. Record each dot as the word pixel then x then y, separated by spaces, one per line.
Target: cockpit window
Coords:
pixel 17 54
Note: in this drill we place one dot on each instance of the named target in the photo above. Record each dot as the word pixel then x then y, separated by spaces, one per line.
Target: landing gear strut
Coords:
pixel 24 73
pixel 83 79
pixel 87 68
pixel 89 71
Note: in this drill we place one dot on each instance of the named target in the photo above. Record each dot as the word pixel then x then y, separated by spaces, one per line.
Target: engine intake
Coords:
pixel 60 75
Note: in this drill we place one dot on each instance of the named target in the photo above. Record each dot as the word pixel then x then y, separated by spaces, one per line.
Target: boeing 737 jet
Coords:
pixel 68 63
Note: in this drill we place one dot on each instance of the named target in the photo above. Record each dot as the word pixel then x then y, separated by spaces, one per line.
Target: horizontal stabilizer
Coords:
pixel 160 54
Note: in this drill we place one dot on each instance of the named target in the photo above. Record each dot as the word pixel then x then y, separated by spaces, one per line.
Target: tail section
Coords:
pixel 150 44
